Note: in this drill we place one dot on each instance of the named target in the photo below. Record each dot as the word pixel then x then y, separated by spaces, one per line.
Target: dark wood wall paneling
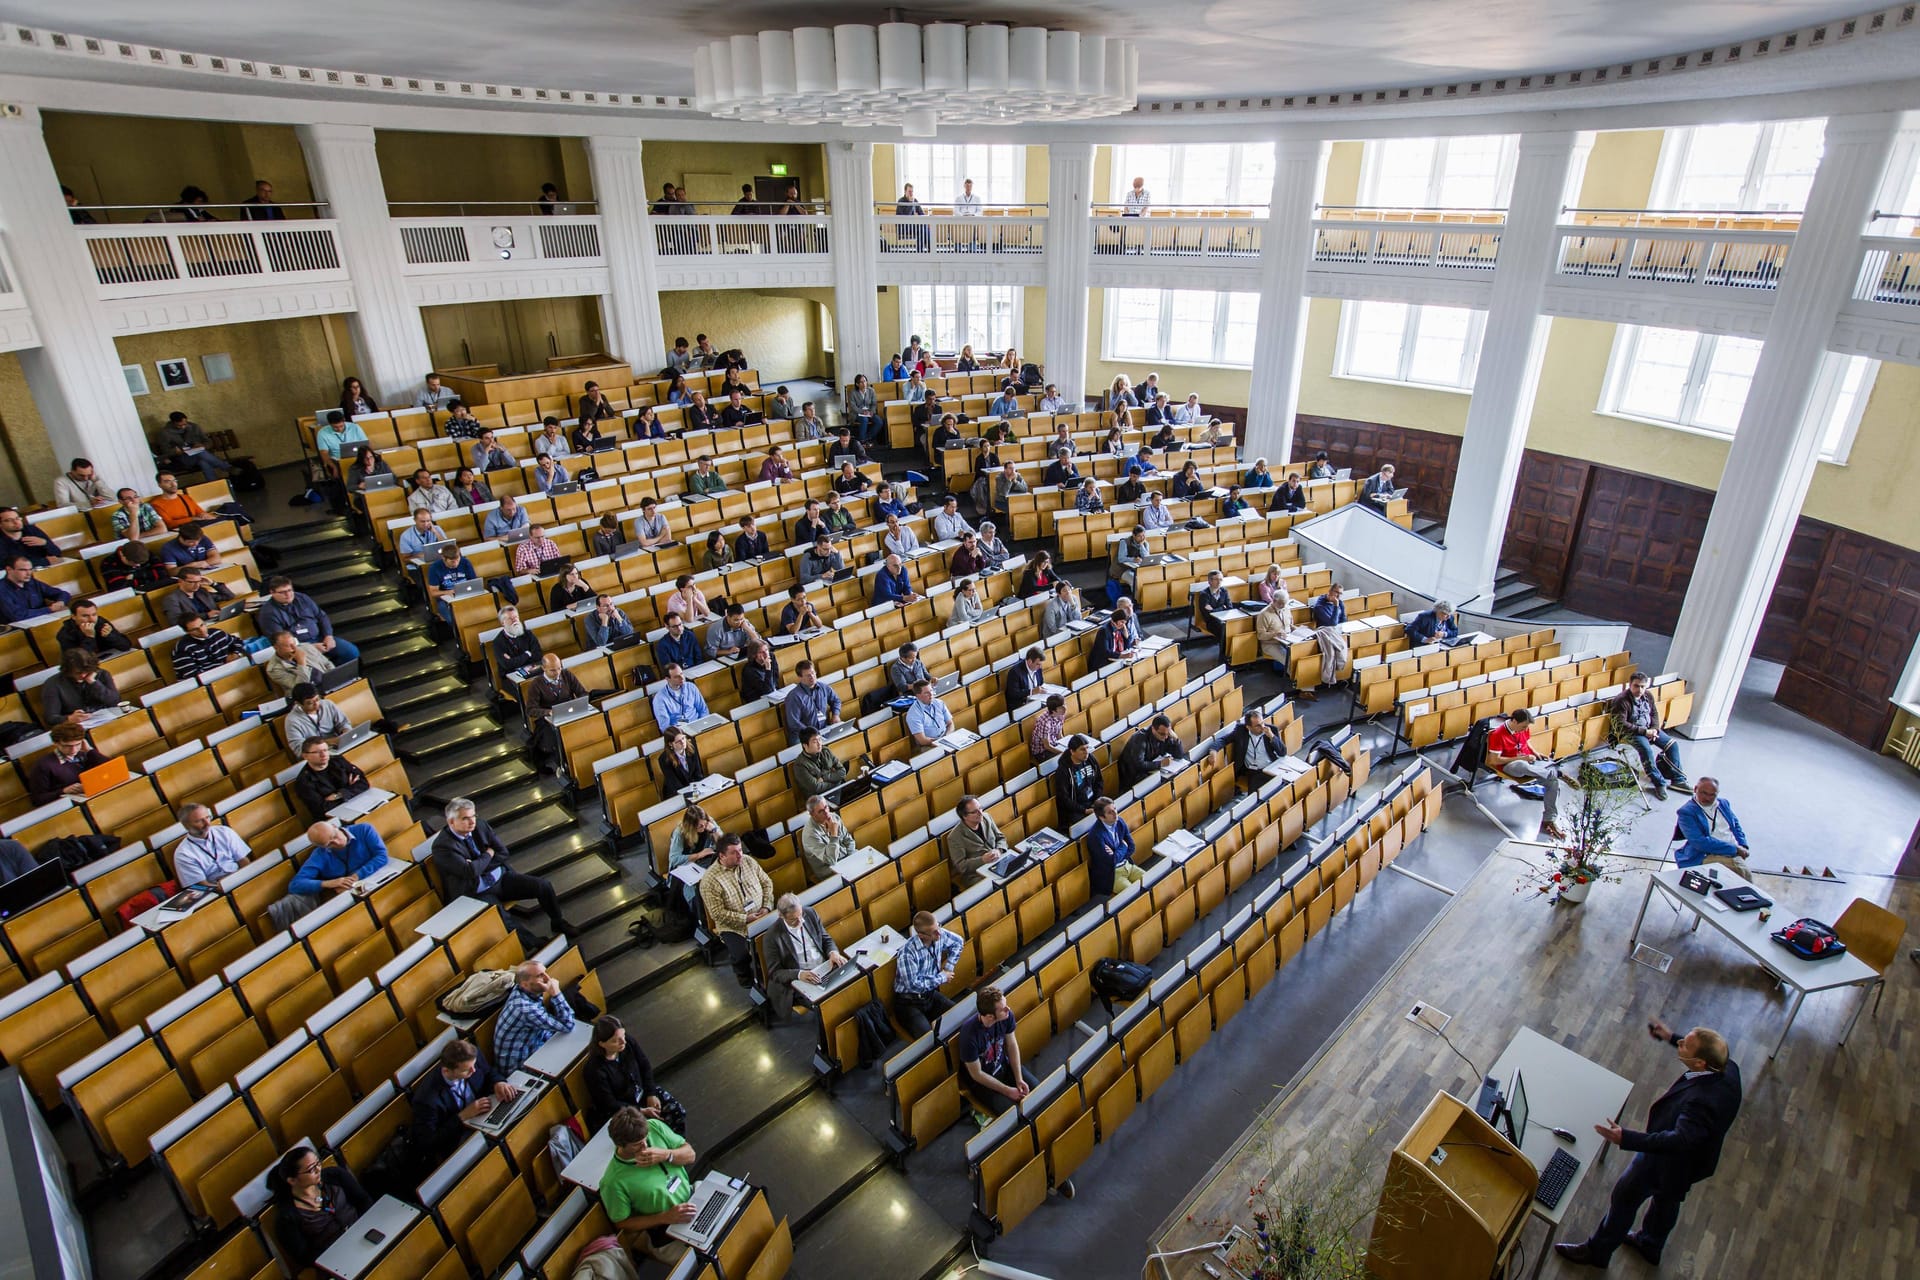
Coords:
pixel 1844 612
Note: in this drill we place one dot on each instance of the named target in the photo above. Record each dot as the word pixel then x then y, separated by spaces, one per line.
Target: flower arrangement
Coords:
pixel 1579 861
pixel 1307 1218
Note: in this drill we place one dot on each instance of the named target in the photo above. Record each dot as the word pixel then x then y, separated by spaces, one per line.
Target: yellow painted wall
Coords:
pixel 1620 170
pixel 1342 182
pixel 519 335
pixel 27 465
pixel 666 161
pixel 141 159
pixel 282 370
pixel 779 329
pixel 440 167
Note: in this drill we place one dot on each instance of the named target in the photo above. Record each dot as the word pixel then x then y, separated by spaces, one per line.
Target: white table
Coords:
pixel 556 1057
pixel 586 1169
pixel 864 956
pixel 1565 1091
pixel 353 1255
pixel 859 862
pixel 1745 930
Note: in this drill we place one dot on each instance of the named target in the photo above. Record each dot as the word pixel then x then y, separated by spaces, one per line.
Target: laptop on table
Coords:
pixel 342 675
pixel 715 1197
pixel 32 889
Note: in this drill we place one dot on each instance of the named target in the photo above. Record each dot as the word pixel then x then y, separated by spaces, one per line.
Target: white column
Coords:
pixel 74 374
pixel 1286 246
pixel 1069 262
pixel 1776 446
pixel 387 331
pixel 1548 168
pixel 626 238
pixel 855 243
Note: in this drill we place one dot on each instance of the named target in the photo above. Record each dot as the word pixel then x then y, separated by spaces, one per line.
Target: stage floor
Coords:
pixel 1821 1163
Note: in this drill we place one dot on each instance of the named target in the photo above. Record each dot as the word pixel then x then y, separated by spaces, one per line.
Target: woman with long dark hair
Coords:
pixel 354 398
pixel 317 1205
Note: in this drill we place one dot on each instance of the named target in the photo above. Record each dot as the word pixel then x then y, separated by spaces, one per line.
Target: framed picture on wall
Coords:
pixel 136 376
pixel 175 375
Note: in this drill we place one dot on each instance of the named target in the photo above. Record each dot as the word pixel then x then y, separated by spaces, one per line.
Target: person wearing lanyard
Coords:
pixel 677 701
pixel 472 861
pixel 811 706
pixel 645 1188
pixel 1112 844
pixel 207 852
pixel 797 952
pixel 921 967
pixel 928 718
pixel 1254 745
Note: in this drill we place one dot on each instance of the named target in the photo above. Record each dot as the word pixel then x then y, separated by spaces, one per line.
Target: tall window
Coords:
pixel 950 316
pixel 1237 175
pixel 1681 378
pixel 1445 173
pixel 1399 342
pixel 999 173
pixel 1180 326
pixel 1739 166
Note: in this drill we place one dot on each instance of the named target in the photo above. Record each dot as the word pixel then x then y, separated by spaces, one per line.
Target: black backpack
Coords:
pixel 875 1030
pixel 1121 980
pixel 1473 749
pixel 75 852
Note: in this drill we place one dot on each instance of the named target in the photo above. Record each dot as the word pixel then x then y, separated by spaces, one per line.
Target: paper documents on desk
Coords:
pixel 1355 624
pixel 98 718
pixel 891 770
pixel 1299 634
pixel 688 873
pixel 1380 620
pixel 958 739
pixel 1287 767
pixel 353 808
pixel 1154 644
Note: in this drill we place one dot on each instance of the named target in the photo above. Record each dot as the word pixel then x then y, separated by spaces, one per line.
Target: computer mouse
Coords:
pixel 1565 1135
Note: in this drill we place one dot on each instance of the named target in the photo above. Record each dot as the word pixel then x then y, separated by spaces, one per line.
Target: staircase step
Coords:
pixel 517 799
pixel 537 823
pixel 630 971
pixel 366 612
pixel 430 696
pixel 595 894
pixel 429 739
pixel 678 1018
pixel 542 855
pixel 495 773
pixel 396 671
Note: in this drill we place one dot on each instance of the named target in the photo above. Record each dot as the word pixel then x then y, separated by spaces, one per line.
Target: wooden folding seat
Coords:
pixel 125 979
pixel 752 1228
pixel 283 988
pixel 211 1151
pixel 123 1093
pixel 266 821
pixel 347 945
pixel 295 1089
pixel 364 1035
pixel 210 1041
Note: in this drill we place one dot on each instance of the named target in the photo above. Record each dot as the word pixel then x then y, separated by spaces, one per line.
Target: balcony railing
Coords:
pixel 789 237
pixel 1889 271
pixel 1230 235
pixel 433 245
pixel 138 261
pixel 1450 246
pixel 1674 256
pixel 939 234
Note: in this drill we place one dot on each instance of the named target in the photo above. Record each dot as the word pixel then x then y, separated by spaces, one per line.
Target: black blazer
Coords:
pixel 750 548
pixel 514 654
pixel 1289 499
pixel 436 1116
pixel 613 1083
pixel 341 776
pixel 1021 682
pixel 1075 788
pixel 1685 1128
pixel 1188 487
pixel 757 681
pixel 460 871
pixel 673 777
pixel 1239 740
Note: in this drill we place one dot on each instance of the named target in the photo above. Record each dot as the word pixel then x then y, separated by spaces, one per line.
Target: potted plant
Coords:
pixel 1579 859
pixel 1306 1220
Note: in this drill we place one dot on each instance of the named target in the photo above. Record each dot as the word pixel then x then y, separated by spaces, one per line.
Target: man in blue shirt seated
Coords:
pixel 996 1079
pixel 190 547
pixel 679 646
pixel 1435 625
pixel 678 700
pixel 443 575
pixel 1062 471
pixel 18 538
pixel 343 855
pixel 892 585
pixel 505 519
pixel 921 967
pixel 927 718
pixel 414 541
pixel 810 705
pixel 535 1012
pixel 1004 405
pixel 606 623
pixel 23 596
pixel 1712 832
pixel 1326 614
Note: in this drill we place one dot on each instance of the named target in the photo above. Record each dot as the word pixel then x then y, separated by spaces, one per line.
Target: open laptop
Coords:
pixel 231 609
pixel 565 486
pixel 625 549
pixel 385 480
pixel 553 565
pixel 571 707
pixel 342 675
pixel 32 889
pixel 502 1115
pixel 714 1200
pixel 842 459
pixel 110 774
pixel 429 552
pixel 946 684
pixel 354 737
pixel 467 587
pixel 512 536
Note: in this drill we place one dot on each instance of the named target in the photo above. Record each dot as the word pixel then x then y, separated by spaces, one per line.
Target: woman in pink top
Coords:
pixel 775 467
pixel 687 601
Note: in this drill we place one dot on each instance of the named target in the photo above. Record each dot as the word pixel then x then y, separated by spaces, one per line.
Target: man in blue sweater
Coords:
pixel 289 610
pixel 343 855
pixel 1712 832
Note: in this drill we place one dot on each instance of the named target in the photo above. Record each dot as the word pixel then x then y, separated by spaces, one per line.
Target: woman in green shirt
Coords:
pixel 646 1186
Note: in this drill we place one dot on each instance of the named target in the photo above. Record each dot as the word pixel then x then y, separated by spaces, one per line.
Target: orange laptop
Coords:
pixel 102 776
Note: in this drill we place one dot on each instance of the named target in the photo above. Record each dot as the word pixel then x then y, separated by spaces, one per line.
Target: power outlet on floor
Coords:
pixel 1428 1018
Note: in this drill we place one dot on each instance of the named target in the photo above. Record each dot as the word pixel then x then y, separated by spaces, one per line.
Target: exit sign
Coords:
pixel 777 170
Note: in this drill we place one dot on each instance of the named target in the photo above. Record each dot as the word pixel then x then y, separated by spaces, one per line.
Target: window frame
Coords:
pixel 1120 175
pixel 1222 302
pixel 1676 146
pixel 924 189
pixel 1370 172
pixel 1469 355
pixel 1821 403
pixel 1017 318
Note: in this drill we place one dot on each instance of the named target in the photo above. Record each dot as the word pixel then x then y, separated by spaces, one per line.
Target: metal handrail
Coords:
pixel 1707 213
pixel 1882 216
pixel 487 208
pixel 238 212
pixel 885 208
pixel 1421 208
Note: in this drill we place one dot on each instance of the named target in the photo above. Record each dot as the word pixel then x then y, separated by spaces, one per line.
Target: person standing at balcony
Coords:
pixel 80 217
pixel 192 207
pixel 664 207
pixel 967 204
pixel 260 205
pixel 549 202
pixel 908 207
pixel 1137 200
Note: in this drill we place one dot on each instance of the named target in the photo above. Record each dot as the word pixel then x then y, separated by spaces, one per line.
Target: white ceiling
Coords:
pixel 1189 48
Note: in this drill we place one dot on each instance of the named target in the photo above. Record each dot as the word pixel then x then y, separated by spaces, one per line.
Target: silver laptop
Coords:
pixel 354 736
pixel 385 480
pixel 842 459
pixel 512 536
pixel 501 1116
pixel 429 552
pixel 467 587
pixel 714 1200
pixel 570 708
pixel 946 684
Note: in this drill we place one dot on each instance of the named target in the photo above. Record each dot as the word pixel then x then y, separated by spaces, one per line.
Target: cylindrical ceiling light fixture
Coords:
pixel 856 57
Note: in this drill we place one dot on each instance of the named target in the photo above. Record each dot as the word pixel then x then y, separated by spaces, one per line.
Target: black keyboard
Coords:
pixel 1555 1177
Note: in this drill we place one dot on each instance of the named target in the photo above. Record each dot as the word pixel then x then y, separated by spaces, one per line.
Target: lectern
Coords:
pixel 1455 1199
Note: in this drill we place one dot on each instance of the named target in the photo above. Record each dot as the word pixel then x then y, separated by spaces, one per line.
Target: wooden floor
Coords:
pixel 1821 1172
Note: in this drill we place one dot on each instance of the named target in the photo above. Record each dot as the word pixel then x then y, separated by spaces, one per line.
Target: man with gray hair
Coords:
pixel 1434 626
pixel 799 949
pixel 472 862
pixel 208 851
pixel 535 1012
pixel 824 840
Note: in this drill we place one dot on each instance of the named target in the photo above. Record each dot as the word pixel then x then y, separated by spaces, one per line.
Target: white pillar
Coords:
pixel 1775 447
pixel 1286 246
pixel 387 330
pixel 1069 262
pixel 626 238
pixel 855 242
pixel 74 374
pixel 1548 168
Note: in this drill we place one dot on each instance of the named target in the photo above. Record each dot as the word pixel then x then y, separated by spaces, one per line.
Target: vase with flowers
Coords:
pixel 1578 860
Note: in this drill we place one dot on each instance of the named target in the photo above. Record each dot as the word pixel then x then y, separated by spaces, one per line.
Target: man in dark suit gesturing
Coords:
pixel 1680 1146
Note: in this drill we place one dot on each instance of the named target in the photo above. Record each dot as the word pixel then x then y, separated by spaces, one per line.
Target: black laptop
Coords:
pixel 32 889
